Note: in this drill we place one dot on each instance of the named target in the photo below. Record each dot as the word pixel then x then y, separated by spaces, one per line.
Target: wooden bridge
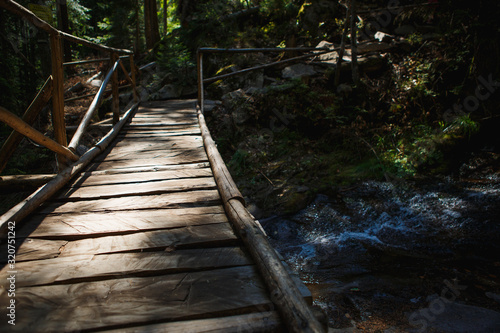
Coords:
pixel 140 242
pixel 145 232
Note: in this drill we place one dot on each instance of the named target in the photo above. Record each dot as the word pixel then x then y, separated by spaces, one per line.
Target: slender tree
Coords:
pixel 151 23
pixel 165 17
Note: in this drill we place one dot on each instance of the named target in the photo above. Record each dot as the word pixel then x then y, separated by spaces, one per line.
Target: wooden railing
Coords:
pixel 295 312
pixel 208 50
pixel 53 88
pixel 69 162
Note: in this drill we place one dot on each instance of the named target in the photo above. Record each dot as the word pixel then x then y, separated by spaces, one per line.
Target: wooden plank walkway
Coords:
pixel 139 242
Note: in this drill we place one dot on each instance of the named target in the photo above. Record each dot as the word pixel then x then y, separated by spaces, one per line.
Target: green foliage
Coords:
pixel 79 16
pixel 463 125
pixel 174 57
pixel 117 28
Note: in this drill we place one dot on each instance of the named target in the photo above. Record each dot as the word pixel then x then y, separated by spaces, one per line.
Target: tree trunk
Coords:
pixel 151 23
pixel 137 45
pixel 165 17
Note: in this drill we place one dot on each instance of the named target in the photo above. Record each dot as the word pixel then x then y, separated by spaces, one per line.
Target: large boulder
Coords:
pixel 168 91
pixel 298 71
pixel 235 102
pixel 373 47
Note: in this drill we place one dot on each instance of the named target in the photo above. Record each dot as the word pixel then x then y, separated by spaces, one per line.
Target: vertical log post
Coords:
pixel 132 72
pixel 114 91
pixel 58 122
pixel 199 63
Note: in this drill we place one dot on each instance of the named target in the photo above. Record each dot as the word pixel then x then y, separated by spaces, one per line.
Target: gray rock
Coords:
pixel 143 93
pixel 373 47
pixel 254 80
pixel 443 315
pixel 96 83
pixel 383 37
pixel 493 296
pixel 233 101
pixel 167 92
pixel 325 44
pixel 298 71
pixel 189 90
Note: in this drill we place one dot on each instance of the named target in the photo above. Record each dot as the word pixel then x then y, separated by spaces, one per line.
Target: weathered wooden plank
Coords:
pixel 114 303
pixel 159 133
pixel 166 145
pixel 78 225
pixel 157 168
pixel 253 322
pixel 182 157
pixel 163 125
pixel 168 200
pixel 167 129
pixel 210 235
pixel 147 153
pixel 164 116
pixel 179 121
pixel 165 106
pixel 90 267
pixel 92 179
pixel 188 141
pixel 35 249
pixel 145 188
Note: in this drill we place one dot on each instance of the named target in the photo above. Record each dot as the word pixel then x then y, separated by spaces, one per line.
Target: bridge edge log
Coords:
pixel 295 312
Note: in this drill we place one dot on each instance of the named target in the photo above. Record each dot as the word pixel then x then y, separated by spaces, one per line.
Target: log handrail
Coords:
pixel 23 128
pixel 28 15
pixel 210 50
pixel 295 312
pixel 93 107
pixel 64 155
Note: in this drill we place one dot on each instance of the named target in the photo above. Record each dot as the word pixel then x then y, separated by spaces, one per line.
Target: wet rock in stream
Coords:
pixel 373 253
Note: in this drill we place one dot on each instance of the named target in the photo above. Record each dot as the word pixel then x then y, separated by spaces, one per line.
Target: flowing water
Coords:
pixel 377 255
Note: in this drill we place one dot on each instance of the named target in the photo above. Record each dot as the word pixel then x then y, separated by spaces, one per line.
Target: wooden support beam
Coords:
pixel 115 107
pixel 134 83
pixel 201 93
pixel 93 94
pixel 81 62
pixel 23 182
pixel 20 126
pixel 58 122
pixel 295 312
pixel 41 99
pixel 130 80
pixel 75 140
